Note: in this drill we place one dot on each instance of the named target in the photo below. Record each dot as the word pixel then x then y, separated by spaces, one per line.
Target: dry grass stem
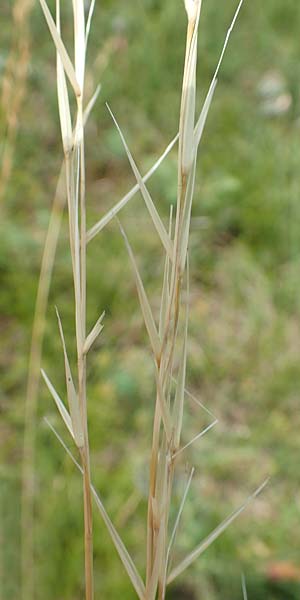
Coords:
pixel 169 337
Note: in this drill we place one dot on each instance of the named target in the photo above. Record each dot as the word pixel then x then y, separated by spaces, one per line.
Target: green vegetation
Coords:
pixel 243 356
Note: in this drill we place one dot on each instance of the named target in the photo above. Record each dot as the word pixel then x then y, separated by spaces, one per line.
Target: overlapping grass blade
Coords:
pixel 72 394
pixel 147 198
pixel 66 61
pixel 114 211
pixel 59 403
pixel 93 334
pixel 214 535
pixel 124 555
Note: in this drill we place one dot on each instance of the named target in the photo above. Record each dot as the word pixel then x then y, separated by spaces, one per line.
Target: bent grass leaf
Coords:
pixel 214 535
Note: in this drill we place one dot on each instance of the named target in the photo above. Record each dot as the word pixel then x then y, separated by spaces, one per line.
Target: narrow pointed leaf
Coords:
pixel 144 302
pixel 60 405
pixel 124 555
pixel 147 198
pixel 214 535
pixel 72 394
pixel 114 211
pixel 203 115
pixel 93 334
pixel 61 48
pixel 196 401
pixel 88 109
pixel 89 21
pixel 181 507
pixel 196 438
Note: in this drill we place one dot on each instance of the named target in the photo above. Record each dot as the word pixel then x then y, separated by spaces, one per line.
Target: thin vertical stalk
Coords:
pixel 31 399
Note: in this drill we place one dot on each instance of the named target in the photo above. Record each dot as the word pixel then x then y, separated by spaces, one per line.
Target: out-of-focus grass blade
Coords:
pixel 60 405
pixel 144 302
pixel 91 104
pixel 63 96
pixel 93 334
pixel 61 48
pixel 114 211
pixel 124 555
pixel 147 198
pixel 89 21
pixel 72 394
pixel 214 535
pixel 244 587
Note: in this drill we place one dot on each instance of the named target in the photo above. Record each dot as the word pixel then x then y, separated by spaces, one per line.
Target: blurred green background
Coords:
pixel 244 349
